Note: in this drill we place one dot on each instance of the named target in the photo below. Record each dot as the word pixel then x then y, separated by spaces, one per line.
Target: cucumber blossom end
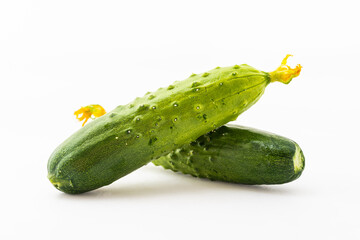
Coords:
pixel 285 73
pixel 84 113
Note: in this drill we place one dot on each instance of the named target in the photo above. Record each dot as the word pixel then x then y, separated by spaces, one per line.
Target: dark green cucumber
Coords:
pixel 239 155
pixel 132 135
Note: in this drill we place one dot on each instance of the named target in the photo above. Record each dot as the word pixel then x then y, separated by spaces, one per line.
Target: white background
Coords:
pixel 56 56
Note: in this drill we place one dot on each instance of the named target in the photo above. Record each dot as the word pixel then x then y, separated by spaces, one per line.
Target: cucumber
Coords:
pixel 239 155
pixel 132 135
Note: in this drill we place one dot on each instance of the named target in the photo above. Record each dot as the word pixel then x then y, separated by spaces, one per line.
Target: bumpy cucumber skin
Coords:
pixel 239 155
pixel 132 135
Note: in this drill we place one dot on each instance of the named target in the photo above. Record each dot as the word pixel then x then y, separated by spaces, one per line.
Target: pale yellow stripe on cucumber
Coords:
pixel 298 160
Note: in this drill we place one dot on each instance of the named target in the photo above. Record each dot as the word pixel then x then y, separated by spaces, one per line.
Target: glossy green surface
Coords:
pixel 132 135
pixel 239 155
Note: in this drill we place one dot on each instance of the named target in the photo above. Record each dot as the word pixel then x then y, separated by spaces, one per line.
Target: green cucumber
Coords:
pixel 132 135
pixel 239 155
